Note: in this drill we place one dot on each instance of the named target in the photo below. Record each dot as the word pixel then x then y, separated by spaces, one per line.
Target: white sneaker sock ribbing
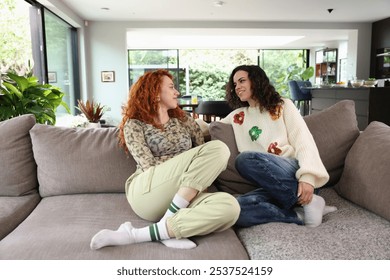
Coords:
pixel 177 203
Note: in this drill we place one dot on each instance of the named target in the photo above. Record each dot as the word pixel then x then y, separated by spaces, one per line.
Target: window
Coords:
pixel 60 54
pixel 206 72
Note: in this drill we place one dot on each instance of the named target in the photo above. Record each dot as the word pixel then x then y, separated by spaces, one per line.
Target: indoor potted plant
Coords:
pixel 21 95
pixel 92 111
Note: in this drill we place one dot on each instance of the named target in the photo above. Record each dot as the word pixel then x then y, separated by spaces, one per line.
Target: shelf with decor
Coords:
pixel 326 66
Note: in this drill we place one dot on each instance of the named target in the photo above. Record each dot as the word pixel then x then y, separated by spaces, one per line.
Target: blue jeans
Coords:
pixel 276 195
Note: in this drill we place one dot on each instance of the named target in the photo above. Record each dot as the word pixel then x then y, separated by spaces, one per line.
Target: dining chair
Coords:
pixel 213 109
pixel 301 95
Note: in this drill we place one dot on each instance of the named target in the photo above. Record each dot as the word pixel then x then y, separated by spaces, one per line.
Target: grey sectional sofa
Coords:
pixel 59 186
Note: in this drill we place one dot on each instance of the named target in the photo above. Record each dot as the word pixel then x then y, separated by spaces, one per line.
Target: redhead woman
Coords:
pixel 277 154
pixel 174 169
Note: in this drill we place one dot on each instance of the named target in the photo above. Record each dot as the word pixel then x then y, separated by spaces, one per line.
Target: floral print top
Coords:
pixel 151 146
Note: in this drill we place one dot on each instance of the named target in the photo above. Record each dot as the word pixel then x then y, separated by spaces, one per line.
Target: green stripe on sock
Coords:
pixel 154 233
pixel 173 207
pixel 157 232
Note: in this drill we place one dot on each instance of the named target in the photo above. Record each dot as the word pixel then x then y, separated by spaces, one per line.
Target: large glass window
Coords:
pixel 60 53
pixel 206 72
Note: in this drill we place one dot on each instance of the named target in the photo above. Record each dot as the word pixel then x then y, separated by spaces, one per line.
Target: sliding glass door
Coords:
pixel 61 55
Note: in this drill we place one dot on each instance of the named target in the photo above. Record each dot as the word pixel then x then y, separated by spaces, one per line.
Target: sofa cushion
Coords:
pixel 230 180
pixel 366 177
pixel 79 160
pixel 14 209
pixel 18 171
pixel 61 227
pixel 334 130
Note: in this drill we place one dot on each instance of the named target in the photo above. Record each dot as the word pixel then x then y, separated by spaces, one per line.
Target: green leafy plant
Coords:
pixel 92 111
pixel 293 72
pixel 25 95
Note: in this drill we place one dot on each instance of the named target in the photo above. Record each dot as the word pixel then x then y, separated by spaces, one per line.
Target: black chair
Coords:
pixel 301 94
pixel 211 110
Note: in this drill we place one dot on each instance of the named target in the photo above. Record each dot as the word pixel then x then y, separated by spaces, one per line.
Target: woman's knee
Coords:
pixel 229 208
pixel 220 149
pixel 245 159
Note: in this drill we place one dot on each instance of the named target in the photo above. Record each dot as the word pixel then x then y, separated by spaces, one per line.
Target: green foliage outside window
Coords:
pixel 15 38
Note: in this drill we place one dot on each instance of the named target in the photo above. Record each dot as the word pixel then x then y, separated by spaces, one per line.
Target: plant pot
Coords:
pixel 93 125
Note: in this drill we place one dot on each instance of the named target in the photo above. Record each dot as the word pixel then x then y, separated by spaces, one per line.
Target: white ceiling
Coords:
pixel 299 11
pixel 232 10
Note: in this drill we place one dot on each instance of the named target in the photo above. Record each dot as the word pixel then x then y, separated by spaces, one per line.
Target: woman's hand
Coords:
pixel 305 193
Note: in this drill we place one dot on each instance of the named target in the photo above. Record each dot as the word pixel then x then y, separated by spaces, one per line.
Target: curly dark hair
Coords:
pixel 263 91
pixel 143 103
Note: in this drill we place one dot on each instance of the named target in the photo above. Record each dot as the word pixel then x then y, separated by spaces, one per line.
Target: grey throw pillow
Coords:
pixel 366 177
pixel 18 171
pixel 229 180
pixel 334 130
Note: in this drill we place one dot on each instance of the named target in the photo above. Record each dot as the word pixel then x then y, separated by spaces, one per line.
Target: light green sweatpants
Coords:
pixel 151 192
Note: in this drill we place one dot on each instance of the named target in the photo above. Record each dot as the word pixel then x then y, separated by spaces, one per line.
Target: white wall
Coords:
pixel 107 51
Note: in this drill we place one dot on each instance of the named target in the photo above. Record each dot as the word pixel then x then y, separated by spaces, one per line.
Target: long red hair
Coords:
pixel 144 102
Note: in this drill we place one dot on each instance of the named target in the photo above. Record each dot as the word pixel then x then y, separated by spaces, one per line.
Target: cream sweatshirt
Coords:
pixel 286 136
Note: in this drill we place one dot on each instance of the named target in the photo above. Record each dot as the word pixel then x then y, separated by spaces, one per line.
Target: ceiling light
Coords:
pixel 218 3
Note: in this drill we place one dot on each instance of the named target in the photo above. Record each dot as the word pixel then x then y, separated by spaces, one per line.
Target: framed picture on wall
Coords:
pixel 52 76
pixel 108 76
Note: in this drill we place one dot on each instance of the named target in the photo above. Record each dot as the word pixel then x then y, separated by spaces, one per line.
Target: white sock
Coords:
pixel 329 209
pixel 127 234
pixel 183 243
pixel 177 203
pixel 117 237
pixel 314 211
pixel 159 231
pixel 301 214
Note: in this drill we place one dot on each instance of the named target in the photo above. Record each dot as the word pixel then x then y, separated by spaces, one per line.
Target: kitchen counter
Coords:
pixel 371 103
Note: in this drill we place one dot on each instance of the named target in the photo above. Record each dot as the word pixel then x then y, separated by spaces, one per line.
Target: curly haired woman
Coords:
pixel 277 153
pixel 174 169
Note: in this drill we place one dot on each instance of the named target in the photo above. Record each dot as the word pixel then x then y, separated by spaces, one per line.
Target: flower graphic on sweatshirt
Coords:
pixel 255 132
pixel 273 149
pixel 239 118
